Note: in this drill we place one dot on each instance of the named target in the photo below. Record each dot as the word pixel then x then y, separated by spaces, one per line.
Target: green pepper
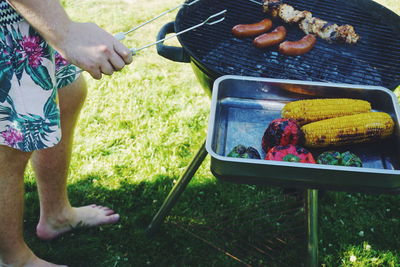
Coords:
pixel 240 151
pixel 330 158
pixel 350 159
pixel 340 159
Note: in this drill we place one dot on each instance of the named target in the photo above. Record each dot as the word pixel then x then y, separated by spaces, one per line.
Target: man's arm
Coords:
pixel 83 44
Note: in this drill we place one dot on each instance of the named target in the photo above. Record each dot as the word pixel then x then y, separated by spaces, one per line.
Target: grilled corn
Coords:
pixel 350 129
pixel 310 110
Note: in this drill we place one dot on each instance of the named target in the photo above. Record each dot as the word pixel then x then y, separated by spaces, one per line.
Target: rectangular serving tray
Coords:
pixel 241 109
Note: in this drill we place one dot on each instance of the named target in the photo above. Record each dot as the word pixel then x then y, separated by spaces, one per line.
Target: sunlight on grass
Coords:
pixel 365 255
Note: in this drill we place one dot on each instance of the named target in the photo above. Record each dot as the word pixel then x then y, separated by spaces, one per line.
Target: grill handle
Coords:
pixel 177 54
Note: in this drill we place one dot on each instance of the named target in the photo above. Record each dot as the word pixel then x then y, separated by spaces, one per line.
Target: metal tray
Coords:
pixel 241 109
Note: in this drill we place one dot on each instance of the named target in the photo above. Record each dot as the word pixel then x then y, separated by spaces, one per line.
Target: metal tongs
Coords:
pixel 121 35
pixel 211 20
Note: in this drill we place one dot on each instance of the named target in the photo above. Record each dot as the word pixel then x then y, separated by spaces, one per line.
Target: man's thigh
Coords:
pixel 12 160
pixel 72 96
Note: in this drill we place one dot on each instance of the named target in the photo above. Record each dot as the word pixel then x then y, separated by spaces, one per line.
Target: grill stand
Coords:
pixel 312 226
pixel 311 200
pixel 177 190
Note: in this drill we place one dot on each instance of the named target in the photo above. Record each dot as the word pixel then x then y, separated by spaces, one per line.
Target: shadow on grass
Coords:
pixel 235 219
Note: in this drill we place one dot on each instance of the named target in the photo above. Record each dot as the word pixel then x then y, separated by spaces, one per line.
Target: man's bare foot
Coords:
pixel 26 258
pixel 87 216
pixel 41 263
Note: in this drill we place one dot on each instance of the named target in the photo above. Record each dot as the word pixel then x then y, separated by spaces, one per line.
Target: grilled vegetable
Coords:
pixel 240 151
pixel 290 153
pixel 310 110
pixel 330 158
pixel 341 159
pixel 350 159
pixel 281 132
pixel 350 129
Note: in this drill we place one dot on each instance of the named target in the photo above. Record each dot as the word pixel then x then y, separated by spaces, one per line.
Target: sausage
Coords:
pixel 299 47
pixel 272 38
pixel 248 30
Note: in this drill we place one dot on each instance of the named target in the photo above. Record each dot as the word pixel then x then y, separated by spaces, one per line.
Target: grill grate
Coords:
pixel 374 60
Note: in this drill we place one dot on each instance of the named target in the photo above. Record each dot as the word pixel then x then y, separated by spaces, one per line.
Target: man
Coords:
pixel 38 113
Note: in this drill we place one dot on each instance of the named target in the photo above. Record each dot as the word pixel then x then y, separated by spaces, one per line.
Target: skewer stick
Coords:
pixel 256 2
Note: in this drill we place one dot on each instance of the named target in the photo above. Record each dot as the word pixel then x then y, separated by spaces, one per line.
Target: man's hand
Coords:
pixel 94 50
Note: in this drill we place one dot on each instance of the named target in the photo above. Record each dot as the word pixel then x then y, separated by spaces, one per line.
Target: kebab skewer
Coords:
pixel 311 25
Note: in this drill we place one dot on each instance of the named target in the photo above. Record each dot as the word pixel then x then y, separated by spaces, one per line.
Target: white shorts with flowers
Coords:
pixel 29 67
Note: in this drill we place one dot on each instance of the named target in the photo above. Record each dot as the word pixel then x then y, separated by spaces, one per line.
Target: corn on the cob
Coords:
pixel 350 129
pixel 310 110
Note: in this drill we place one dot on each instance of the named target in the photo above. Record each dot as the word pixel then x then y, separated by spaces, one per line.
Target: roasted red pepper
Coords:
pixel 290 153
pixel 282 132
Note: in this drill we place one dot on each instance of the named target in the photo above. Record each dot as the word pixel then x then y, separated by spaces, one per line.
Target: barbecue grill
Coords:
pixel 214 52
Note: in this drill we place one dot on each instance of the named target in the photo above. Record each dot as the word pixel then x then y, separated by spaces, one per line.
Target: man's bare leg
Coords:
pixel 13 249
pixel 51 169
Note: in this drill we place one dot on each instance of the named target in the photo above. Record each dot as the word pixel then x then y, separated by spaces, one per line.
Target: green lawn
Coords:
pixel 137 133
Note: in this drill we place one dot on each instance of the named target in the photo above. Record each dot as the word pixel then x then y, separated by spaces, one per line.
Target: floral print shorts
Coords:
pixel 30 75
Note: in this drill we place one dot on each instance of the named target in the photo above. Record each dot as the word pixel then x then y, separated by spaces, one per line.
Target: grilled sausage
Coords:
pixel 248 30
pixel 272 38
pixel 297 48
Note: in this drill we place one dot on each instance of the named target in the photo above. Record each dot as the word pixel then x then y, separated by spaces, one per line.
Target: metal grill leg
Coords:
pixel 312 227
pixel 177 190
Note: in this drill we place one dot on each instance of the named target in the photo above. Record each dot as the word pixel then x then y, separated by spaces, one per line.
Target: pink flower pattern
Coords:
pixel 30 60
pixel 12 136
pixel 32 50
pixel 60 61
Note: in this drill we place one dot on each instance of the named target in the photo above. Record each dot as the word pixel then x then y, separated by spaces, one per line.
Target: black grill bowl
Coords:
pixel 374 60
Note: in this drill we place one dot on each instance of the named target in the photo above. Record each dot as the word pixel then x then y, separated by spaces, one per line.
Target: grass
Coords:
pixel 138 131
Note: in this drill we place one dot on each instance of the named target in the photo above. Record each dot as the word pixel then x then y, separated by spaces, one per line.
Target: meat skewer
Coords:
pixel 311 25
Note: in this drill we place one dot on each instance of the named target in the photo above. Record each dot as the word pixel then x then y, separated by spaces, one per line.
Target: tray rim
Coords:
pixel 212 116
